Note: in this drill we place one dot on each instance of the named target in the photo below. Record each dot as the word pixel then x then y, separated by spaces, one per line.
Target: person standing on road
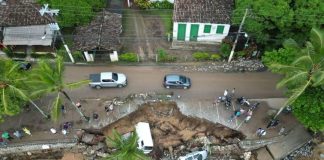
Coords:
pixel 233 92
pixel 248 116
pixel 282 130
pixel 261 132
pixel 62 109
pixel 225 93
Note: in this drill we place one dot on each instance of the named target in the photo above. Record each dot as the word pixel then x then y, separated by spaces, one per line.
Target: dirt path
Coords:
pixel 143 34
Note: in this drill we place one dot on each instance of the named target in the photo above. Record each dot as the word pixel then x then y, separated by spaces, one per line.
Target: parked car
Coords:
pixel 176 81
pixel 108 79
pixel 198 155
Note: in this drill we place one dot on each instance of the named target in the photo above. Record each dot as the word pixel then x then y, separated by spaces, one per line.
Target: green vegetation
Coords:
pixel 225 50
pixel 14 89
pixel 128 57
pixel 309 108
pixel 48 78
pixel 143 4
pixel 162 5
pixel 285 55
pixel 215 57
pixel 126 148
pixel 75 12
pixel 163 56
pixel 201 56
pixel 47 55
pixel 306 71
pixel 78 56
pixel 270 22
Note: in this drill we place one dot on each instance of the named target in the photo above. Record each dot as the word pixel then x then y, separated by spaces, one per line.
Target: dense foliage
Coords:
pixel 162 5
pixel 309 108
pixel 285 55
pixel 270 22
pixel 14 89
pixel 74 12
pixel 304 72
pixel 143 4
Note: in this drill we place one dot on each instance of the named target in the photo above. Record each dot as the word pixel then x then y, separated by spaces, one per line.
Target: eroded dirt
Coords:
pixel 171 130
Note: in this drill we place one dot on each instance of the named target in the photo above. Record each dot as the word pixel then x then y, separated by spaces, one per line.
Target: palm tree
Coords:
pixel 14 90
pixel 126 148
pixel 306 70
pixel 49 79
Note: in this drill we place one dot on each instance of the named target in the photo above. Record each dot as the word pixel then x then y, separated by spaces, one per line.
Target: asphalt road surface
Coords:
pixel 142 79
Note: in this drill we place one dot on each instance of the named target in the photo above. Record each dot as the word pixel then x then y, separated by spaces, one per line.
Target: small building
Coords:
pixel 100 38
pixel 201 21
pixel 22 27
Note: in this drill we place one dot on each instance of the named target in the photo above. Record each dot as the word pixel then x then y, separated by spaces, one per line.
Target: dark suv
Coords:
pixel 176 81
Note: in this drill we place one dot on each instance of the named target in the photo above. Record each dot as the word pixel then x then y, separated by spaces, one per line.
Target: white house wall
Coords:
pixel 202 37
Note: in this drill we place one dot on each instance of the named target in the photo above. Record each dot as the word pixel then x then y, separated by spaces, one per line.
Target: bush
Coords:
pixel 215 57
pixel 201 56
pixel 225 50
pixel 162 5
pixel 143 4
pixel 241 54
pixel 62 52
pixel 47 55
pixel 78 56
pixel 128 57
pixel 163 56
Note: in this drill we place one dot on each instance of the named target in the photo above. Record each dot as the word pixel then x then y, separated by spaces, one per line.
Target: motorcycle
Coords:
pixel 254 106
pixel 243 101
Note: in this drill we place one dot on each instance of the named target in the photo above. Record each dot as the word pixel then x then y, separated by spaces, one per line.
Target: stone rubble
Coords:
pixel 240 65
pixel 304 151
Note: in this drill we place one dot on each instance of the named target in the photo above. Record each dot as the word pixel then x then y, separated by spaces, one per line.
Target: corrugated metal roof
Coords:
pixel 28 35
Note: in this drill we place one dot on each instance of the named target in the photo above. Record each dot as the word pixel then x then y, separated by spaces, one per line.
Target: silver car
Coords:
pixel 176 81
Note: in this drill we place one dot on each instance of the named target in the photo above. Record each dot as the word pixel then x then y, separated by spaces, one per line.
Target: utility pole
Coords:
pixel 55 27
pixel 237 36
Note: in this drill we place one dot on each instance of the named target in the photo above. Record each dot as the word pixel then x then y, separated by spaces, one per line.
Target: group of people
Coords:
pixel 7 136
pixel 239 112
pixel 272 124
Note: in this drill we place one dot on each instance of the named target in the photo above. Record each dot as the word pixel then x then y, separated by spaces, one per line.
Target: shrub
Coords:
pixel 143 4
pixel 47 55
pixel 163 56
pixel 241 54
pixel 215 57
pixel 201 56
pixel 162 5
pixel 78 56
pixel 225 50
pixel 128 57
pixel 62 52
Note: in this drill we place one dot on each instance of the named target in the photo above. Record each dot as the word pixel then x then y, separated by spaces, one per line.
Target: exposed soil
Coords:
pixel 171 129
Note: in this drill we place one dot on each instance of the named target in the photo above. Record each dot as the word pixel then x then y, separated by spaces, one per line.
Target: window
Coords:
pixel 220 29
pixel 107 80
pixel 115 76
pixel 207 28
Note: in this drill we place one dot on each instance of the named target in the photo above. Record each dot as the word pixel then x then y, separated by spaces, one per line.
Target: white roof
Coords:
pixel 106 75
pixel 28 35
pixel 144 133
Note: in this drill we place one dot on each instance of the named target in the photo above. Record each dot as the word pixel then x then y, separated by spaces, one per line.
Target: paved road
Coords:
pixel 149 79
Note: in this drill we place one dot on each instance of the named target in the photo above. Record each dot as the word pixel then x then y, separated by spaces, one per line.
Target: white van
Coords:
pixel 145 141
